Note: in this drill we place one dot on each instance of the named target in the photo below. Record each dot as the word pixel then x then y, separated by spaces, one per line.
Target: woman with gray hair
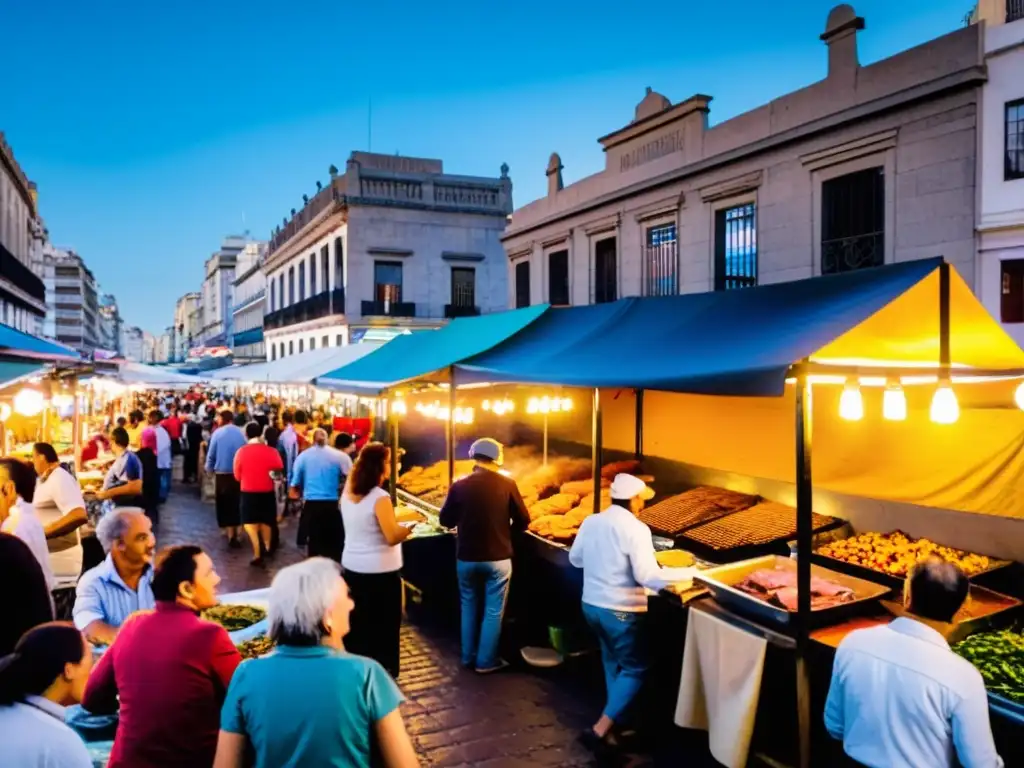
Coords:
pixel 309 702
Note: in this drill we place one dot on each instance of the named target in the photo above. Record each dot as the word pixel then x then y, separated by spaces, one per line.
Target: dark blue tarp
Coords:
pixel 739 342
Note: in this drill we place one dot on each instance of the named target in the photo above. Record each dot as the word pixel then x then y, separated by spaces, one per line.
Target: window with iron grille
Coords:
pixel 312 274
pixel 1012 291
pixel 1014 10
pixel 302 280
pixel 291 285
pixel 853 221
pixel 523 284
pixel 661 275
pixel 605 273
pixel 325 267
pixel 736 247
pixel 1015 135
pixel 339 264
pixel 280 290
pixel 558 278
pixel 387 281
pixel 463 287
pixel 272 302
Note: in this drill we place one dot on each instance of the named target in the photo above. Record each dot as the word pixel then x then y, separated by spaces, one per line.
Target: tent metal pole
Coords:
pixel 450 427
pixel 595 448
pixel 804 525
pixel 638 421
pixel 76 425
pixel 944 356
pixel 393 479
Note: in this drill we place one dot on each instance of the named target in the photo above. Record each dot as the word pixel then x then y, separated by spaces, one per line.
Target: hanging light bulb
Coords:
pixel 894 403
pixel 5 411
pixel 29 402
pixel 1018 396
pixel 398 407
pixel 945 408
pixel 851 404
pixel 566 404
pixel 533 405
pixel 486 405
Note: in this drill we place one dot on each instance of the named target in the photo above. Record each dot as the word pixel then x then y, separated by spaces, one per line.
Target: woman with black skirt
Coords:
pixel 255 465
pixel 372 559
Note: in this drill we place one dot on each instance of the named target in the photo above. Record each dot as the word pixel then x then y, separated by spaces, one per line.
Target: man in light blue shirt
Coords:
pixel 317 475
pixel 220 460
pixel 121 585
pixel 900 698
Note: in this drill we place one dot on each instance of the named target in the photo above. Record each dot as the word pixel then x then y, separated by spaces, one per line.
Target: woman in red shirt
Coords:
pixel 253 464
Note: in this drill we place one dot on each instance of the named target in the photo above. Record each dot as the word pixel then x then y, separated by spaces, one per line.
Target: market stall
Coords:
pixel 913 410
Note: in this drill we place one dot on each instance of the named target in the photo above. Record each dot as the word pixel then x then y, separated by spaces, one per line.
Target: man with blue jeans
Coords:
pixel 485 507
pixel 616 552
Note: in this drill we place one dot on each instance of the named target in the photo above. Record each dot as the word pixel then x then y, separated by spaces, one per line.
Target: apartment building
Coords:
pixel 392 243
pixel 1001 164
pixel 22 292
pixel 187 324
pixel 249 292
pixel 72 302
pixel 217 291
pixel 111 326
pixel 872 165
pixel 134 347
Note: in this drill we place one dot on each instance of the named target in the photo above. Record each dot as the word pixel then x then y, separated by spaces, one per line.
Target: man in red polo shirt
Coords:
pixel 170 669
pixel 173 426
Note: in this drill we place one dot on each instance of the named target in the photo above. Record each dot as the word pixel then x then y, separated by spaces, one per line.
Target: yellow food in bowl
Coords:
pixel 674 558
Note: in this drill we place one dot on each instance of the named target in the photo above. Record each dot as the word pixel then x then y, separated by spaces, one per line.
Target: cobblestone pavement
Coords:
pixel 516 719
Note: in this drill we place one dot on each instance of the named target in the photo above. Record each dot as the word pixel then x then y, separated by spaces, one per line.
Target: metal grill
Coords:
pixel 1015 133
pixel 463 287
pixel 736 247
pixel 1014 10
pixel 853 221
pixel 661 259
pixel 387 279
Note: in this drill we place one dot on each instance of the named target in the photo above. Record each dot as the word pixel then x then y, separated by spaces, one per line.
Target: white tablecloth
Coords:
pixel 721 685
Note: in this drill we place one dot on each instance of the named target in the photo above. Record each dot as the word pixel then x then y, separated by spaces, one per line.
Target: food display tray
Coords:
pixel 722 579
pixel 896 582
pixel 996 611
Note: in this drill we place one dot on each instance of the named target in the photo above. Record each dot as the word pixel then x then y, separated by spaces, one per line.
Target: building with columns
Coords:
pixel 872 165
pixel 392 243
pixel 22 292
pixel 217 291
pixel 249 294
pixel 1001 164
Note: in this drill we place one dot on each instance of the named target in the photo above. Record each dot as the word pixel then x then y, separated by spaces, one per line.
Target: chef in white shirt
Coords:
pixel 17 517
pixel 616 552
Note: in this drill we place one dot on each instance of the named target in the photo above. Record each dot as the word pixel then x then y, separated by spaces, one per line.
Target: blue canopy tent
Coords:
pixel 15 343
pixel 915 318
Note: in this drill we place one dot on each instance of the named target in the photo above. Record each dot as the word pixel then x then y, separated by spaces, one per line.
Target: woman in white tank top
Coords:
pixel 372 558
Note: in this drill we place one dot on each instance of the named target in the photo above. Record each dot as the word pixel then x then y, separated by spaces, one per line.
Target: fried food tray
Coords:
pixel 722 579
pixel 764 529
pixel 672 516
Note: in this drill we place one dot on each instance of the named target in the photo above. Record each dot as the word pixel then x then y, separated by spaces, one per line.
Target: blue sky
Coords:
pixel 153 129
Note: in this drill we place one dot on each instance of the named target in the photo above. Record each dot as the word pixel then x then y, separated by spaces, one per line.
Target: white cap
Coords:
pixel 627 486
pixel 489 448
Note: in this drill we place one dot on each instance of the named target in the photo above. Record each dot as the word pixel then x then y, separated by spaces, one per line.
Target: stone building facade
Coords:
pixel 1001 165
pixel 72 300
pixel 249 294
pixel 872 165
pixel 390 244
pixel 22 292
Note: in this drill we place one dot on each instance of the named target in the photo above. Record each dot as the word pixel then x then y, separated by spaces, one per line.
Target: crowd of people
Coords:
pixel 327 695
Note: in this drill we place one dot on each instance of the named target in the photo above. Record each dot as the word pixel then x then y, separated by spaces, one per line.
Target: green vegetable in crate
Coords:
pixel 999 656
pixel 235 617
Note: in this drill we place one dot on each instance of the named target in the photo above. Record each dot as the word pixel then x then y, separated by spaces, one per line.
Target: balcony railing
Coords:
pixel 1014 10
pixel 389 309
pixel 322 305
pixel 460 310
pixel 249 300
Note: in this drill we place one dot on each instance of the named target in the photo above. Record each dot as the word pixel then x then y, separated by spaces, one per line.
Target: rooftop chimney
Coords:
pixel 554 173
pixel 841 38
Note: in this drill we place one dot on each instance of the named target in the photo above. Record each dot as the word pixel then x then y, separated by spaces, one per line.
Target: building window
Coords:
pixel 338 341
pixel 323 342
pixel 273 352
pixel 325 267
pixel 1012 291
pixel 291 285
pixel 312 274
pixel 300 346
pixel 312 343
pixel 558 278
pixel 661 276
pixel 605 288
pixel 387 281
pixel 302 281
pixel 463 287
pixel 853 221
pixel 736 247
pixel 291 347
pixel 523 284
pixel 339 264
pixel 1015 137
pixel 271 295
pixel 280 291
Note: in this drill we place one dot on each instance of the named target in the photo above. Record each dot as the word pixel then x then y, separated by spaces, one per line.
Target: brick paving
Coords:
pixel 515 719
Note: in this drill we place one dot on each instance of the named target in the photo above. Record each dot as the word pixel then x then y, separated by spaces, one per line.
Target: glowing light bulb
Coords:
pixel 29 402
pixel 894 403
pixel 508 405
pixel 533 405
pixel 945 408
pixel 486 405
pixel 1018 396
pixel 566 404
pixel 851 404
pixel 5 411
pixel 398 407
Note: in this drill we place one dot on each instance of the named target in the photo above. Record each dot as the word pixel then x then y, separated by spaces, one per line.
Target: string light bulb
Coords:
pixel 945 408
pixel 5 411
pixel 851 403
pixel 29 402
pixel 894 403
pixel 1018 396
